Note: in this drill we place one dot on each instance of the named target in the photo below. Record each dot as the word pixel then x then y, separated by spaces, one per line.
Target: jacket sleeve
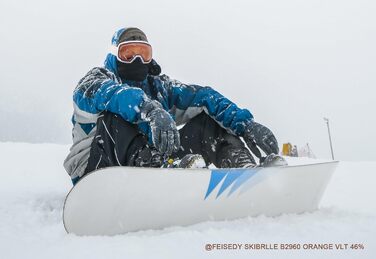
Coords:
pixel 190 100
pixel 99 90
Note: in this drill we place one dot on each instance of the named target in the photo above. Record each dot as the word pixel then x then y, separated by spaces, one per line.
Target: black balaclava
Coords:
pixel 135 71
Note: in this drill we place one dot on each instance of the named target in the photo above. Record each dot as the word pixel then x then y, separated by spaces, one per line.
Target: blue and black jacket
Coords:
pixel 101 89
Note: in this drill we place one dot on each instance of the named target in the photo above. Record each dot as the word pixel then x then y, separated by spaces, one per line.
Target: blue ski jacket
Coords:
pixel 101 89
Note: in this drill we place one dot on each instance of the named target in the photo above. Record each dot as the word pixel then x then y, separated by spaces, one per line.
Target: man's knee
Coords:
pixel 113 141
pixel 112 123
pixel 213 130
pixel 201 119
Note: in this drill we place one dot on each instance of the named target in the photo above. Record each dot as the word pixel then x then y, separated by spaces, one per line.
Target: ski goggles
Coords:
pixel 128 51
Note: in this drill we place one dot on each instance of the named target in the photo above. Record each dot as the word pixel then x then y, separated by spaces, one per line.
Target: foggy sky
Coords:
pixel 290 62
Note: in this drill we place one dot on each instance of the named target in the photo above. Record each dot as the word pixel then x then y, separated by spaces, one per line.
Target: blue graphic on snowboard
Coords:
pixel 234 177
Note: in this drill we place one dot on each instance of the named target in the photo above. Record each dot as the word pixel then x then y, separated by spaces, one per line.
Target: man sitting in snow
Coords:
pixel 126 114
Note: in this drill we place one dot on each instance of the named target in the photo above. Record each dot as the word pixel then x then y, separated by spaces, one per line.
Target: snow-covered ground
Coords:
pixel 33 186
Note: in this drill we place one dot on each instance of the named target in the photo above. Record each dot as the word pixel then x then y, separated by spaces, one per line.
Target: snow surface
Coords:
pixel 34 184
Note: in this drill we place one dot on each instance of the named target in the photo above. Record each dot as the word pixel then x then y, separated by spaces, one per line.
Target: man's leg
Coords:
pixel 203 135
pixel 119 143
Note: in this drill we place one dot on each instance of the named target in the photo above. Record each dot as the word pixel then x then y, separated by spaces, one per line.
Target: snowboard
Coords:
pixel 118 200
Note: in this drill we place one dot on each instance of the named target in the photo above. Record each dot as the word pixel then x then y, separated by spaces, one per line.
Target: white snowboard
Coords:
pixel 117 200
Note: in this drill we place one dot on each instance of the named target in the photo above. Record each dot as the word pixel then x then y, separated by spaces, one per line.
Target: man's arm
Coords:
pixel 190 100
pixel 99 90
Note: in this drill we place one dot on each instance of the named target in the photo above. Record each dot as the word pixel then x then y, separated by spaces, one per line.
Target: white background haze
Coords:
pixel 290 62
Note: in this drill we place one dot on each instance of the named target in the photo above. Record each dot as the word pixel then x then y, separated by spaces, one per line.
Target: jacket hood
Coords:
pixel 110 62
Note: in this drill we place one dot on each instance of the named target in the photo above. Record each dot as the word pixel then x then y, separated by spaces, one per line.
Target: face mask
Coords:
pixel 135 71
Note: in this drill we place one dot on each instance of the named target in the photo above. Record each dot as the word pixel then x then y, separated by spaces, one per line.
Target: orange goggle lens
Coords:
pixel 128 51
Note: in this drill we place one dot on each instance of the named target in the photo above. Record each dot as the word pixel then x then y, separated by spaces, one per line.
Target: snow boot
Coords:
pixel 235 157
pixel 188 161
pixel 273 160
pixel 151 157
pixel 146 157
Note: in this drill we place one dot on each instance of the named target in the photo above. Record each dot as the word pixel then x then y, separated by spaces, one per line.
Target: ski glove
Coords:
pixel 256 134
pixel 164 134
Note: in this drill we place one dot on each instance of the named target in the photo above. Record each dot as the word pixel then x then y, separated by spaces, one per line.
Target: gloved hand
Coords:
pixel 261 136
pixel 164 134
